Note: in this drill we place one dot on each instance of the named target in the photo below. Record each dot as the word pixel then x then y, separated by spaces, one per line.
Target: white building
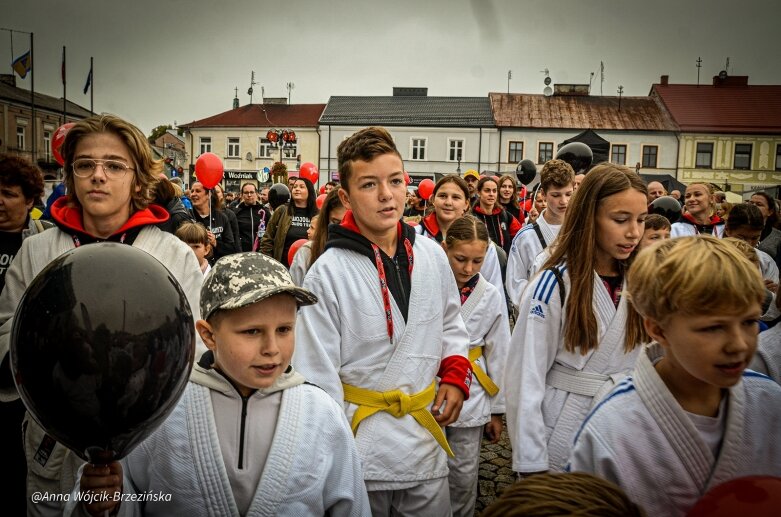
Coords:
pixel 435 135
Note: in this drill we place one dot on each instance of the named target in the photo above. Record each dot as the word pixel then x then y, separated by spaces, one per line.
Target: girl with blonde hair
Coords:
pixel 700 217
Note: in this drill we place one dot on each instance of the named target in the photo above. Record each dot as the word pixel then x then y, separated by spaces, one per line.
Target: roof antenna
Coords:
pixel 620 93
pixel 699 65
pixel 251 84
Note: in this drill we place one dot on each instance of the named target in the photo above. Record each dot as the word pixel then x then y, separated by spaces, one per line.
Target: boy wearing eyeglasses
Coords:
pixel 109 175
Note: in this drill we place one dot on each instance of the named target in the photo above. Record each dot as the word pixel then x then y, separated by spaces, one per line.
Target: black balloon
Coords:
pixel 667 206
pixel 578 155
pixel 278 195
pixel 526 171
pixel 102 345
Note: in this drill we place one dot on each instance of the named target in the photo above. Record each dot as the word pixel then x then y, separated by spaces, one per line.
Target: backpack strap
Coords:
pixel 541 238
pixel 559 281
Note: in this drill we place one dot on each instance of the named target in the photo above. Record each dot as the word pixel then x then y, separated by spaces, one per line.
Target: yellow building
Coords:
pixel 730 132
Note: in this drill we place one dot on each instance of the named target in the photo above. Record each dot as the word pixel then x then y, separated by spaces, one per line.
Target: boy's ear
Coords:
pixel 207 334
pixel 655 330
pixel 344 197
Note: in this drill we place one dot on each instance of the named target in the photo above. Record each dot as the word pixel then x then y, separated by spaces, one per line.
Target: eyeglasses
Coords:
pixel 86 167
pixel 248 193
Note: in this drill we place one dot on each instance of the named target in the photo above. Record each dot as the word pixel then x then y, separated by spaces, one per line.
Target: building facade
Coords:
pixel 32 139
pixel 730 132
pixel 434 135
pixel 635 131
pixel 239 137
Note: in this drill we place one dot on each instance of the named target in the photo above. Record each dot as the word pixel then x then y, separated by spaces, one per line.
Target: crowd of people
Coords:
pixel 634 359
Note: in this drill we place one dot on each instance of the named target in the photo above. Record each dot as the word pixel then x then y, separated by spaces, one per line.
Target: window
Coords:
pixel 206 144
pixel 19 137
pixel 233 147
pixel 649 155
pixel 455 150
pixel 418 149
pixel 742 156
pixel 515 152
pixel 291 151
pixel 618 154
pixel 47 145
pixel 704 155
pixel 265 149
pixel 778 157
pixel 545 152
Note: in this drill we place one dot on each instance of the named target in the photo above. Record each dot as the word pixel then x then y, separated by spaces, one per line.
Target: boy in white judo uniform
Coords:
pixel 557 186
pixel 249 436
pixel 387 326
pixel 691 416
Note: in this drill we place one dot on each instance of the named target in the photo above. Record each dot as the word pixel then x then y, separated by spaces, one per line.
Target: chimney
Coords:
pixel 9 79
pixel 573 90
pixel 735 81
pixel 405 91
pixel 665 80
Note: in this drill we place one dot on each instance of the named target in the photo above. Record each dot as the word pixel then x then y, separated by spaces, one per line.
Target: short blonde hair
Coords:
pixel 745 248
pixel 680 276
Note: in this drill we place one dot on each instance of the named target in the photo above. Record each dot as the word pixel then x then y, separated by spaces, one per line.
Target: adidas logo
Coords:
pixel 537 311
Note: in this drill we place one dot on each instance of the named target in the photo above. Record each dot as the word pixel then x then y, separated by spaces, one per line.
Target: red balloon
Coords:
pixel 322 190
pixel 751 495
pixel 309 171
pixel 58 139
pixel 209 170
pixel 407 179
pixel 425 189
pixel 496 178
pixel 294 249
pixel 528 205
pixel 319 201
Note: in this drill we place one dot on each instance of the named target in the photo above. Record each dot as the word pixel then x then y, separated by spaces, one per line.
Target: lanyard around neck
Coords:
pixel 384 282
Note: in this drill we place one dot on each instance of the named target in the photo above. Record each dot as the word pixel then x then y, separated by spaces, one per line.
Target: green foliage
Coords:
pixel 158 132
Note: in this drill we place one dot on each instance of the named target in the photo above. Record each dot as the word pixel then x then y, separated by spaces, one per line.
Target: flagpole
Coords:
pixel 64 112
pixel 92 87
pixel 32 100
pixel 13 56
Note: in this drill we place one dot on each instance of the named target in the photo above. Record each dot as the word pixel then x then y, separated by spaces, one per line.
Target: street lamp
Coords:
pixel 281 138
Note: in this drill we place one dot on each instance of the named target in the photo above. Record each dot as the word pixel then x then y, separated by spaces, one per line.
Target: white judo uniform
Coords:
pixel 488 328
pixel 298 455
pixel 549 390
pixel 300 264
pixel 55 474
pixel 767 360
pixel 491 270
pixel 683 228
pixel 525 248
pixel 641 439
pixel 344 339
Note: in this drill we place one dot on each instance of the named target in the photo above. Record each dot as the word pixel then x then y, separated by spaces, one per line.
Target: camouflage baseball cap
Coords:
pixel 245 278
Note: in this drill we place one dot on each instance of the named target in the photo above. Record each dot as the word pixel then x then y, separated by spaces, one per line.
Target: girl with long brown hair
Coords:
pixel 331 212
pixel 575 332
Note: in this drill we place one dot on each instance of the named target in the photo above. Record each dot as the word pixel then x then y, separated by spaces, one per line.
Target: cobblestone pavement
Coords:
pixel 495 471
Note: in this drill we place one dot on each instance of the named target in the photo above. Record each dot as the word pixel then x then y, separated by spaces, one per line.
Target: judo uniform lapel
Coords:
pixel 704 470
pixel 608 358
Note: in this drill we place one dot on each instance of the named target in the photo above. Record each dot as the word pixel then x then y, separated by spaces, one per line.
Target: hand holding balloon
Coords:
pixel 101 479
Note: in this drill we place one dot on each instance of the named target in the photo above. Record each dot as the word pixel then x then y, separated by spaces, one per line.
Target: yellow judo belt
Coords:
pixel 398 404
pixel 488 385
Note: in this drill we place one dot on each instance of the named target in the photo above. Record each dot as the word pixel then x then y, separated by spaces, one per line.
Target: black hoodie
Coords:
pixel 347 236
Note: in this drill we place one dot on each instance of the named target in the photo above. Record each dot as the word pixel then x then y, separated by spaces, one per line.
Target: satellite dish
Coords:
pixel 547 81
pixel 723 75
pixel 548 91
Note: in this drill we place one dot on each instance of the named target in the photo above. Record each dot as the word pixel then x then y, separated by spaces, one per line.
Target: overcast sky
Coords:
pixel 160 61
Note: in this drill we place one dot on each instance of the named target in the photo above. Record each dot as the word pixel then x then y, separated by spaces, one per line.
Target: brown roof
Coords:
pixel 264 115
pixel 707 108
pixel 579 112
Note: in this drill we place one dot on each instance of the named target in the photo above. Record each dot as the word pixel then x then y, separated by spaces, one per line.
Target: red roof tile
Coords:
pixel 579 112
pixel 264 115
pixel 723 109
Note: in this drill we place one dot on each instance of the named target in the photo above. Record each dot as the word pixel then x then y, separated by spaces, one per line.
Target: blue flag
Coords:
pixel 23 64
